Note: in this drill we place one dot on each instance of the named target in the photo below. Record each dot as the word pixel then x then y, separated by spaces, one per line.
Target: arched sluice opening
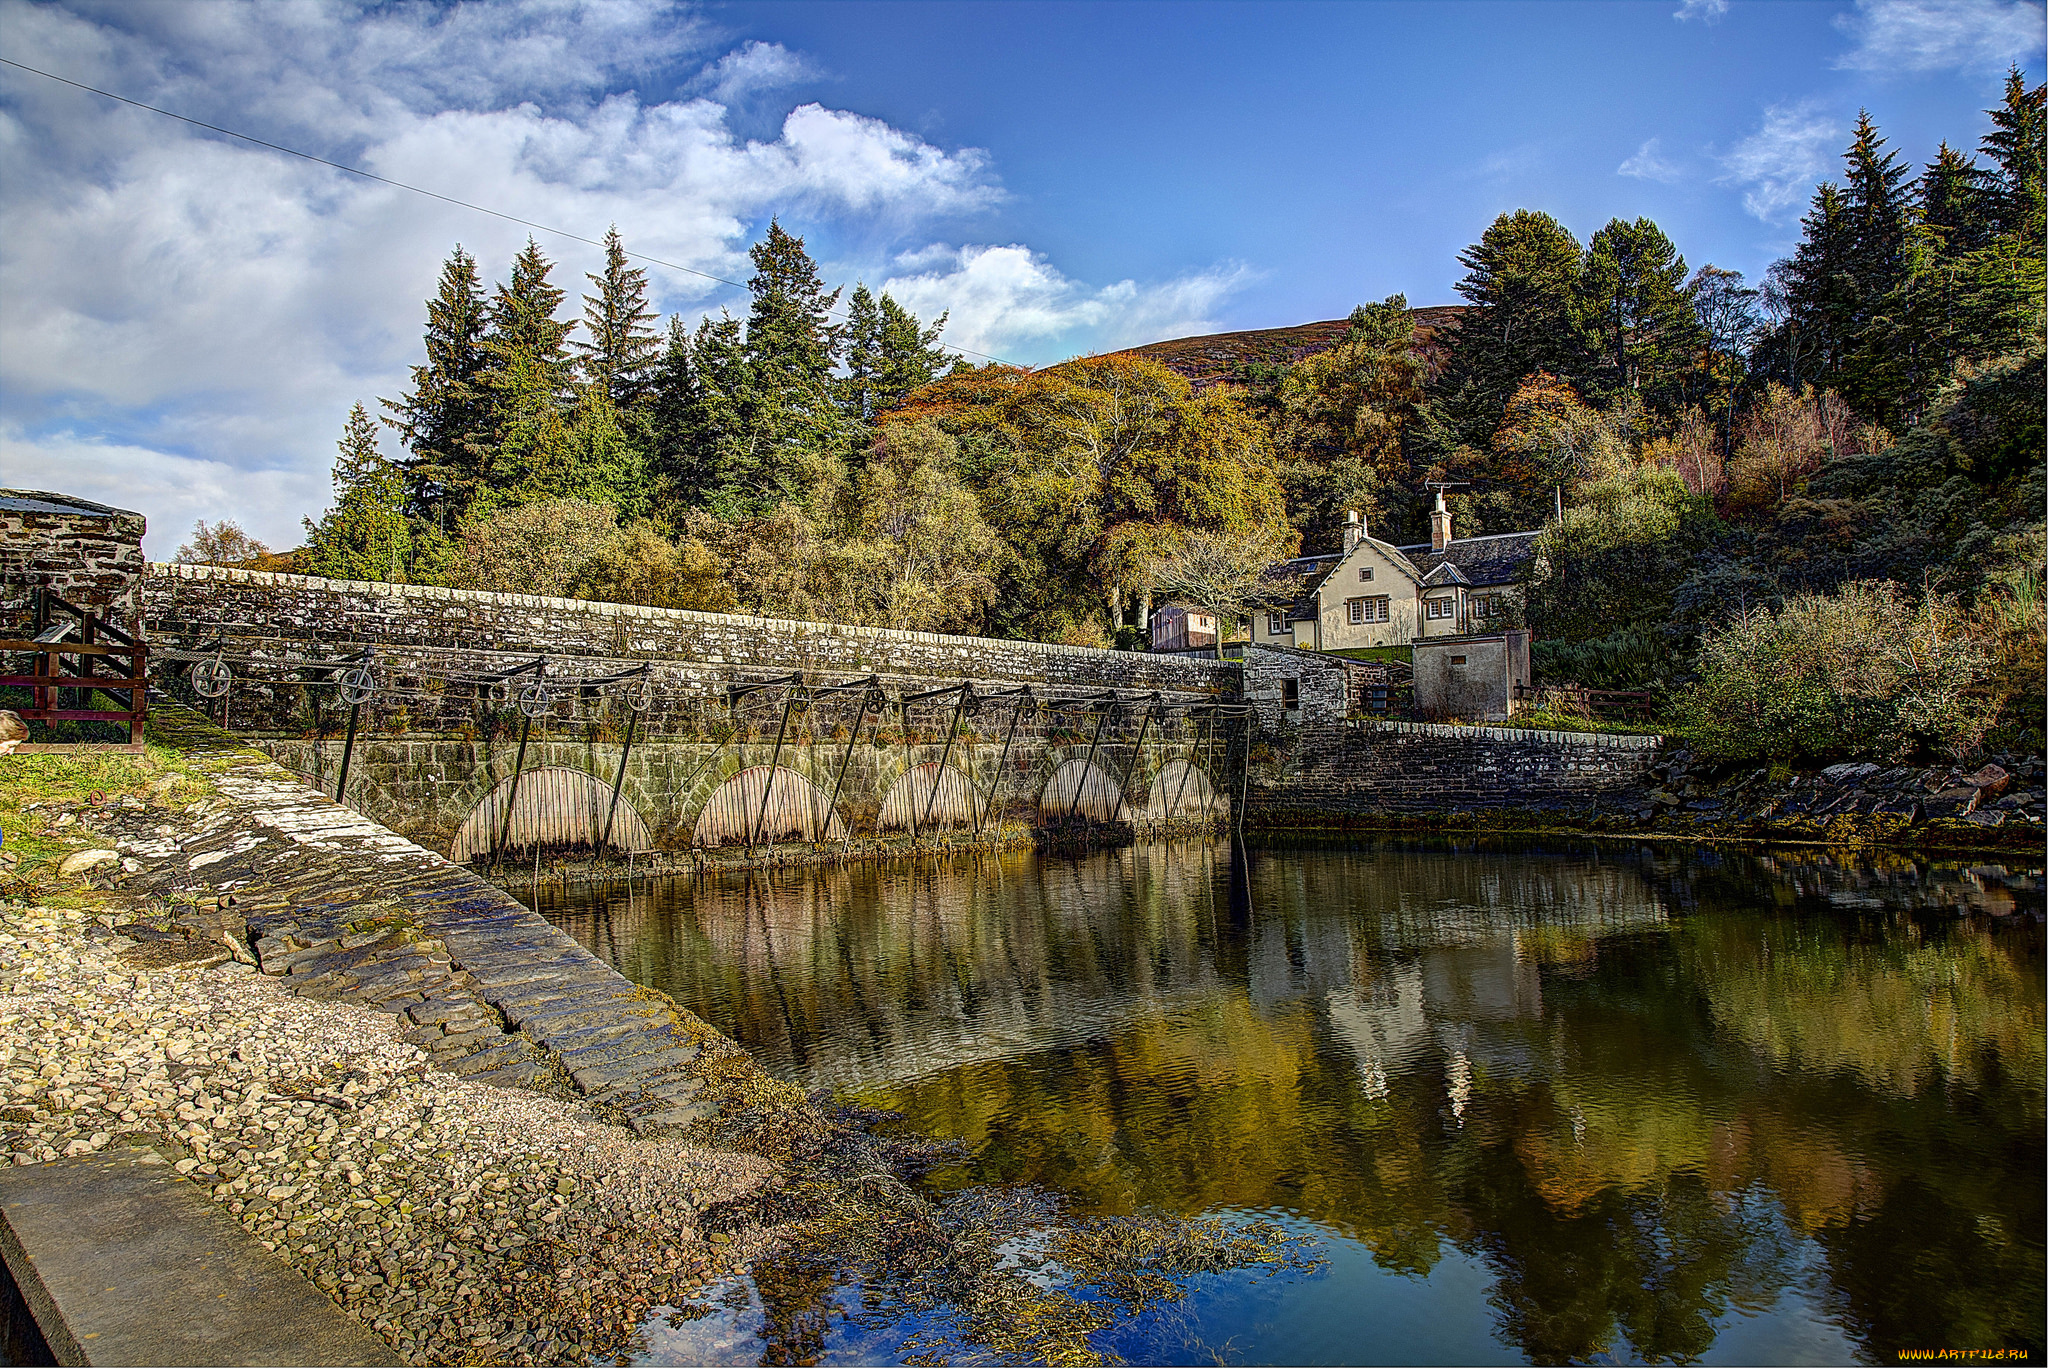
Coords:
pixel 556 806
pixel 1182 790
pixel 954 804
pixel 1079 790
pixel 796 808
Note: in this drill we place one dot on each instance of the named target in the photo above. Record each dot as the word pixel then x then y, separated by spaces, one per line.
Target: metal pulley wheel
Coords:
pixel 210 678
pixel 970 703
pixel 641 698
pixel 357 686
pixel 535 700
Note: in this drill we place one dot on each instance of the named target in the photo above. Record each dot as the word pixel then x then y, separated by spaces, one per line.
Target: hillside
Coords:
pixel 1217 357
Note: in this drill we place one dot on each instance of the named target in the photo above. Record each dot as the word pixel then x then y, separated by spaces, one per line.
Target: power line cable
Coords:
pixel 418 190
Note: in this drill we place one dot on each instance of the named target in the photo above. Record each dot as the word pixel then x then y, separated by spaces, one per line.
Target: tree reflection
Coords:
pixel 1652 1089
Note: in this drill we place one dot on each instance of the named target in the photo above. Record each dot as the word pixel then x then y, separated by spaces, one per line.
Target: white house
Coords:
pixel 1374 593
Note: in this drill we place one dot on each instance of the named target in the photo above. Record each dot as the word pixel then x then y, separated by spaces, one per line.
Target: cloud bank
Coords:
pixel 190 317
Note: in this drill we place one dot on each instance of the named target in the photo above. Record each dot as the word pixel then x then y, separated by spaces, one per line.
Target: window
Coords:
pixel 1482 606
pixel 1276 624
pixel 1457 660
pixel 1365 574
pixel 1290 693
pixel 1361 610
pixel 1442 608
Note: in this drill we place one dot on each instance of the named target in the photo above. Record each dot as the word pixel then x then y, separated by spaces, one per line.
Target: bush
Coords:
pixel 1861 672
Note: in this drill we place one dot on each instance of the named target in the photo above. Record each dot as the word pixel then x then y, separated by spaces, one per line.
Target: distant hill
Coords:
pixel 1218 357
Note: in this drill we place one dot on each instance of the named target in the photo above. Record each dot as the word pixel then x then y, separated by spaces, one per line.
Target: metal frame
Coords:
pixel 50 645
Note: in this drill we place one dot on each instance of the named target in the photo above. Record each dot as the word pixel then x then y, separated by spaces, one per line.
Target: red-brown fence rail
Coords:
pixel 74 651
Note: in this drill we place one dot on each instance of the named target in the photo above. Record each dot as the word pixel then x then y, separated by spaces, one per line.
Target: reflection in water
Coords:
pixel 1660 1104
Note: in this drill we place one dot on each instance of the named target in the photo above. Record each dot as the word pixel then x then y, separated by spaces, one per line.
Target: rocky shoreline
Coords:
pixel 1993 807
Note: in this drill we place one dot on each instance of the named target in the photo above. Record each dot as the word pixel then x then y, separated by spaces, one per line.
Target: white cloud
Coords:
pixel 1648 164
pixel 754 68
pixel 1706 11
pixel 1941 35
pixel 1005 298
pixel 173 491
pixel 1781 161
pixel 205 312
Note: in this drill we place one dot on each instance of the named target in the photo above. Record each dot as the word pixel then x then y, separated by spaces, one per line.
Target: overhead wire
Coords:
pixel 430 194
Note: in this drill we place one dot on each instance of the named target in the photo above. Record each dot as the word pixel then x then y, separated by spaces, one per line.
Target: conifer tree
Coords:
pixel 779 422
pixel 1634 305
pixel 525 337
pixel 364 536
pixel 1952 203
pixel 1521 278
pixel 888 354
pixel 621 354
pixel 2017 147
pixel 448 420
pixel 791 340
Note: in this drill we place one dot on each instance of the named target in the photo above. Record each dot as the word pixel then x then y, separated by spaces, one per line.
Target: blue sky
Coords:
pixel 188 319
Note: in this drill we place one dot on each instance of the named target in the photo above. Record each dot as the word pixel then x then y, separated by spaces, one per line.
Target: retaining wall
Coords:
pixel 1365 767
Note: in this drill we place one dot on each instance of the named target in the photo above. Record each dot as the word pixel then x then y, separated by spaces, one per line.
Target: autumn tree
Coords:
pixel 1225 572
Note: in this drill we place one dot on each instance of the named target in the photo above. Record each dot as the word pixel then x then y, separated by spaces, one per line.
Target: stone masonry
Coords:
pixel 1364 767
pixel 89 553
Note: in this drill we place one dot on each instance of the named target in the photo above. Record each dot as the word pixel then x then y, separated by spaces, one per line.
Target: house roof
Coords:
pixel 1308 574
pixel 1481 561
pixel 1446 572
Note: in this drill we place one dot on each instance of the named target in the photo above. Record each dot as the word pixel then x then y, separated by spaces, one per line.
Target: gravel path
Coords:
pixel 462 1222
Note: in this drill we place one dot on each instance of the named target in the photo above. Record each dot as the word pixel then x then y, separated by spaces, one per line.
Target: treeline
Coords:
pixel 1870 411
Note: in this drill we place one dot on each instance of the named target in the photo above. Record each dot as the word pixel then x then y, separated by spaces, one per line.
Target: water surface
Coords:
pixel 1539 1101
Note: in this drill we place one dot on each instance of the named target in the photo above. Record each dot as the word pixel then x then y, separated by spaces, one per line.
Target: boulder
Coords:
pixel 78 861
pixel 1989 781
pixel 1952 803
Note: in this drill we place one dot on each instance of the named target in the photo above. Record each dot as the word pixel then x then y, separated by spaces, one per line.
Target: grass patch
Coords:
pixel 182 755
pixel 1400 655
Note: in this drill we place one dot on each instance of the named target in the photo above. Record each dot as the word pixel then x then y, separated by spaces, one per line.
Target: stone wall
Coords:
pixel 429 640
pixel 89 553
pixel 432 743
pixel 1369 767
pixel 1326 688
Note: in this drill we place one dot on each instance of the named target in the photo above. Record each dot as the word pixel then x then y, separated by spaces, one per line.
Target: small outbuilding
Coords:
pixel 1477 677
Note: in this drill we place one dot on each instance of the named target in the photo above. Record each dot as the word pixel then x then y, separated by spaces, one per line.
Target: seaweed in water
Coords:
pixel 990 1274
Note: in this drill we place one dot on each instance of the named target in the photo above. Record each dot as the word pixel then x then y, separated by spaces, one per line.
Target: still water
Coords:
pixel 1537 1102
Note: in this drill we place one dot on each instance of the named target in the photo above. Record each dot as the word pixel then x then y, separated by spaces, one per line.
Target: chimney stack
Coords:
pixel 1354 530
pixel 1439 524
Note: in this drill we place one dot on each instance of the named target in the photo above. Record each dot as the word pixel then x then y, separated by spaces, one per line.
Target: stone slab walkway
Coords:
pixel 124 1261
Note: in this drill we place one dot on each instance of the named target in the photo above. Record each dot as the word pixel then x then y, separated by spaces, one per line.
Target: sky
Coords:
pixel 185 319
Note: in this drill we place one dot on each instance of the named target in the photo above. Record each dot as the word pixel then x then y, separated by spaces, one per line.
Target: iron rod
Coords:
pixel 903 715
pixel 512 794
pixel 1082 778
pixel 959 708
pixel 1132 764
pixel 1002 766
pixel 768 788
pixel 348 750
pixel 618 782
pixel 860 715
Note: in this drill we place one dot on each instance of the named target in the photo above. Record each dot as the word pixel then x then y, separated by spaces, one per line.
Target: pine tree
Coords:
pixel 1820 293
pixel 888 354
pixel 448 420
pixel 364 536
pixel 1881 370
pixel 1952 204
pixel 621 354
pixel 1634 305
pixel 2017 147
pixel 525 336
pixel 1522 279
pixel 790 337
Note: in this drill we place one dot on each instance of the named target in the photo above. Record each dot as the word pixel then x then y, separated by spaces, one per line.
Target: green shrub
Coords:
pixel 1861 672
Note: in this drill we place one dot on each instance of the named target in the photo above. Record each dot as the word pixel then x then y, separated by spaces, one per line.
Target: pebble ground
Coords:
pixel 464 1223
